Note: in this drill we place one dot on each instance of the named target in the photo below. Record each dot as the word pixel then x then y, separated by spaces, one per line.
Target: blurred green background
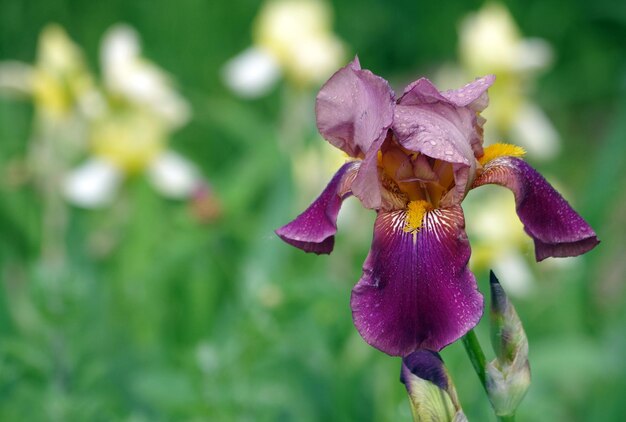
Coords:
pixel 176 320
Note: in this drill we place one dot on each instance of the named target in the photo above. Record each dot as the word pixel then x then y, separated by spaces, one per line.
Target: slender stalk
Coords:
pixel 477 357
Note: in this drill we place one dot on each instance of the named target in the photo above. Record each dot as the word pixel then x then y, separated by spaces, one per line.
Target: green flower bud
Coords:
pixel 431 392
pixel 508 376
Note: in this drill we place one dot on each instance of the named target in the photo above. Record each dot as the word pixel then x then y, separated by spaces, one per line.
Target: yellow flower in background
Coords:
pixel 131 132
pixel 59 82
pixel 490 42
pixel 290 37
pixel 499 242
pixel 312 165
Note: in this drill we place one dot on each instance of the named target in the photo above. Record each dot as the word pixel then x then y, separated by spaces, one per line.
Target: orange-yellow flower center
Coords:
pixel 410 176
pixel 415 215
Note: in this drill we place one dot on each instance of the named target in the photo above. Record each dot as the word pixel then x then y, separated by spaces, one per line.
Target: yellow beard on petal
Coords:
pixel 500 150
pixel 415 215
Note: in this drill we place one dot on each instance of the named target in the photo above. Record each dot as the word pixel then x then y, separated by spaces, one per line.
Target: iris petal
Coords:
pixel 474 94
pixel 444 125
pixel 314 230
pixel 366 184
pixel 416 290
pixel 458 124
pixel 354 109
pixel 443 132
pixel 558 231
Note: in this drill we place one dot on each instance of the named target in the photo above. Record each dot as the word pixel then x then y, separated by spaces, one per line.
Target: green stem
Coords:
pixel 477 357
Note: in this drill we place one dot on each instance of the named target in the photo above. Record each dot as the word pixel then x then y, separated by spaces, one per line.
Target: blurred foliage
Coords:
pixel 153 316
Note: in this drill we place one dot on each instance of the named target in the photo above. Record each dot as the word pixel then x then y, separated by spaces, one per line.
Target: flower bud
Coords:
pixel 431 393
pixel 508 376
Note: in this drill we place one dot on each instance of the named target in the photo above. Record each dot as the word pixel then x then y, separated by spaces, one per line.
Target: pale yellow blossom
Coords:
pixel 290 37
pixel 490 42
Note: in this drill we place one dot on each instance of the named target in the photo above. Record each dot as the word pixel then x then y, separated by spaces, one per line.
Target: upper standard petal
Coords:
pixel 444 126
pixel 466 101
pixel 472 95
pixel 442 132
pixel 354 109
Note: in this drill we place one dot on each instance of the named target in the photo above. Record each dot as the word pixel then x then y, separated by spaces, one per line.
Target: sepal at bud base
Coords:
pixel 507 376
pixel 431 393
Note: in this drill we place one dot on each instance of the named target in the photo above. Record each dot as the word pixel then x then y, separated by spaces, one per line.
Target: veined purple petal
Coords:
pixel 416 291
pixel 557 229
pixel 314 230
pixel 354 109
pixel 424 364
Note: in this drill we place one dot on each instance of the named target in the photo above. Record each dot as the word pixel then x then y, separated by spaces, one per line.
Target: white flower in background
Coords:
pixel 130 135
pixel 490 42
pixel 293 38
pixel 130 76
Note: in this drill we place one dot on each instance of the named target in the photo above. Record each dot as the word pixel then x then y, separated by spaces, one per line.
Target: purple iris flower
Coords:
pixel 413 161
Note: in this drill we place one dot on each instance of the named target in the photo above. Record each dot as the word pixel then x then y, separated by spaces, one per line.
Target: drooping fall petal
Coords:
pixel 354 109
pixel 416 290
pixel 314 230
pixel 557 230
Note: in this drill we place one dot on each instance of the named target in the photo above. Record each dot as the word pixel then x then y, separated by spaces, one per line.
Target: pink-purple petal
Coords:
pixel 314 230
pixel 443 132
pixel 416 291
pixel 466 102
pixel 474 94
pixel 366 185
pixel 558 230
pixel 437 130
pixel 354 109
pixel 422 91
